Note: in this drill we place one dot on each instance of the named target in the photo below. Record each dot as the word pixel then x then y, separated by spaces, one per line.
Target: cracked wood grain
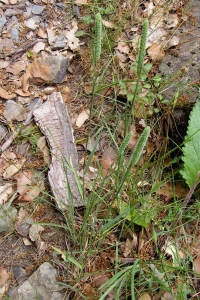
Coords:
pixel 53 120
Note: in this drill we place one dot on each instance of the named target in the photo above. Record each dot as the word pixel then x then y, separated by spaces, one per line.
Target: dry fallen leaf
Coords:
pixel 172 42
pixel 108 24
pixel 13 169
pixel 5 95
pixel 168 296
pixel 80 2
pixel 42 145
pixel 157 35
pixel 197 264
pixel 22 93
pixel 4 276
pixel 82 117
pixel 42 33
pixel 122 57
pixel 144 297
pixel 155 52
pixel 72 41
pixel 171 21
pixel 123 48
pixel 108 158
pixel 130 245
pixel 24 181
pixel 34 232
pixel 27 242
pixel 170 190
pixel 133 139
pixel 39 47
pixel 51 32
pixel 5 191
pixel 25 82
pixel 89 291
pixel 17 67
pixel 33 192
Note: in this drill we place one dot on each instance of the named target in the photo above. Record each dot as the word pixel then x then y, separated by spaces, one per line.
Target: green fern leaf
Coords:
pixel 191 149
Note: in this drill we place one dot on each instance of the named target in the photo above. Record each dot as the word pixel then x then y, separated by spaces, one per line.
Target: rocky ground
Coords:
pixel 40 53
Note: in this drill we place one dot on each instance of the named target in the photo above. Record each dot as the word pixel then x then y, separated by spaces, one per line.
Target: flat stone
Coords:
pixel 7 216
pixel 37 19
pixel 12 110
pixel 59 45
pixel 19 274
pixel 27 13
pixel 181 72
pixel 11 12
pixel 41 285
pixel 2 23
pixel 14 32
pixel 31 24
pixel 50 69
pixel 37 9
pixel 60 42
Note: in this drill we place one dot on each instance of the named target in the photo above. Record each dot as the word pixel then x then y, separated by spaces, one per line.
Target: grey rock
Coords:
pixel 2 23
pixel 59 45
pixel 31 24
pixel 11 12
pixel 12 110
pixel 6 44
pixel 182 71
pixel 90 145
pixel 41 285
pixel 36 19
pixel 37 9
pixel 60 42
pixel 19 274
pixel 55 69
pixel 14 34
pixel 23 228
pixel 7 216
pixel 61 5
pixel 27 13
pixel 3 131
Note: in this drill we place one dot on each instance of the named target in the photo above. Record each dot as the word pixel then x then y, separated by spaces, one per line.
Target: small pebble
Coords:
pixel 59 45
pixel 27 13
pixel 37 9
pixel 13 2
pixel 12 110
pixel 30 23
pixel 2 23
pixel 10 12
pixel 14 34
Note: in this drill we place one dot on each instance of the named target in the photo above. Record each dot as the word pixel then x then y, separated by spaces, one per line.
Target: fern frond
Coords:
pixel 97 39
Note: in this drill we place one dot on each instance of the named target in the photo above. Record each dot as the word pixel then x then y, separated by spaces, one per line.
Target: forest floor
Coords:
pixel 132 238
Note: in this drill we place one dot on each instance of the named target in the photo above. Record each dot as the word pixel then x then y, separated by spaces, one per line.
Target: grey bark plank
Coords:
pixel 53 120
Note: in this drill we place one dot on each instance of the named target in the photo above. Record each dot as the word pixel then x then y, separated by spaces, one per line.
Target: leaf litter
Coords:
pixel 39 71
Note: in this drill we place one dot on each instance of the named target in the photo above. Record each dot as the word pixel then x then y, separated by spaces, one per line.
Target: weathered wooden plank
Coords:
pixel 53 120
